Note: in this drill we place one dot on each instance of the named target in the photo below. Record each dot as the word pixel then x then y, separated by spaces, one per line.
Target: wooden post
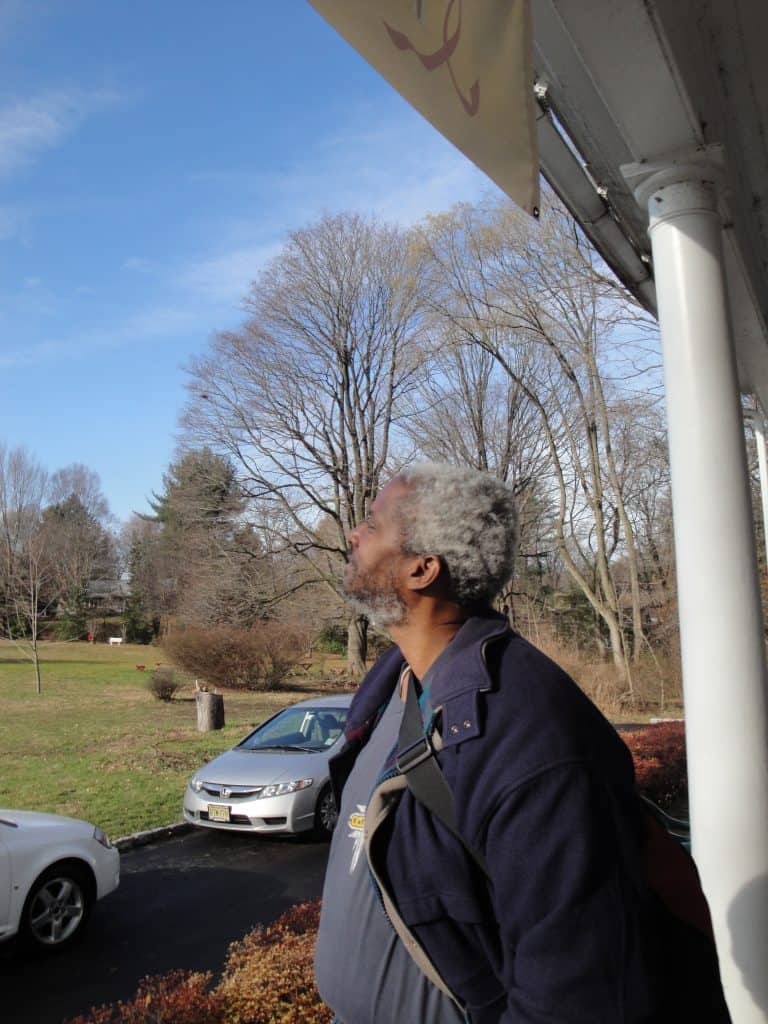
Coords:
pixel 210 711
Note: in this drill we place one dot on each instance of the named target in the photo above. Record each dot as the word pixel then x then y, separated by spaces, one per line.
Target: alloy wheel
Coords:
pixel 327 813
pixel 56 911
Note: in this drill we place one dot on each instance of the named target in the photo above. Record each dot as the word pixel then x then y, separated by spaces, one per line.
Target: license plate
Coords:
pixel 218 812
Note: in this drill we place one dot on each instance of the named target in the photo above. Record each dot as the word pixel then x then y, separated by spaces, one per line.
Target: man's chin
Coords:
pixel 383 612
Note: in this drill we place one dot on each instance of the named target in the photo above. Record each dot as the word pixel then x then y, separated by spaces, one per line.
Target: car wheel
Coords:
pixel 326 813
pixel 57 906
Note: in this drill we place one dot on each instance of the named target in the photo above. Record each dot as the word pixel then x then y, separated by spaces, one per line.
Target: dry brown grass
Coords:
pixel 656 681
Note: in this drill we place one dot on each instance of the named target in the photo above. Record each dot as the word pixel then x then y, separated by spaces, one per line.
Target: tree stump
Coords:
pixel 210 711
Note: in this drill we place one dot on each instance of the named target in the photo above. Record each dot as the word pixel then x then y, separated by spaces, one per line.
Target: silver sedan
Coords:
pixel 276 779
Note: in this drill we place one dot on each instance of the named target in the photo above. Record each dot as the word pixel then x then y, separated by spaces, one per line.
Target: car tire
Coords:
pixel 326 813
pixel 57 907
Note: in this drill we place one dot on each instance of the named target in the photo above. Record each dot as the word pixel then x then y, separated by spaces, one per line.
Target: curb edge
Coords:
pixel 151 835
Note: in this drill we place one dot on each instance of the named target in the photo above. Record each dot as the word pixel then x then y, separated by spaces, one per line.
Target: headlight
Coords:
pixel 196 784
pixel 281 788
pixel 101 837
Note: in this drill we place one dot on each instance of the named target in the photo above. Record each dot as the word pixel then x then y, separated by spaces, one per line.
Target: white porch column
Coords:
pixel 726 706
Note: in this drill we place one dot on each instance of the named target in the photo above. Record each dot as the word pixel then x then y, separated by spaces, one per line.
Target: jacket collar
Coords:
pixel 373 694
pixel 459 669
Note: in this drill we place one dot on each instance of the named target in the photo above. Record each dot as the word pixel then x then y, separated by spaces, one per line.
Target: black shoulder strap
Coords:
pixel 416 761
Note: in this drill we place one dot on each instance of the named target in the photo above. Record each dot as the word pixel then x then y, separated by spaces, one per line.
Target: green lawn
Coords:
pixel 95 744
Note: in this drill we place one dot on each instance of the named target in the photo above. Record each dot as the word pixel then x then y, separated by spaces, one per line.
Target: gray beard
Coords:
pixel 382 608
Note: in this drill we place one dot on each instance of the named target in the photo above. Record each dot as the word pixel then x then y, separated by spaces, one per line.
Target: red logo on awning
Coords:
pixel 442 55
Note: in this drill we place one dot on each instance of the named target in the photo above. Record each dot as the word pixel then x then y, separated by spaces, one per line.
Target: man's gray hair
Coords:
pixel 466 517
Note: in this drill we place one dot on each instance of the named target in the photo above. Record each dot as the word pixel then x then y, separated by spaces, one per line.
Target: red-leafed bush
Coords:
pixel 179 997
pixel 660 766
pixel 269 975
pixel 274 984
pixel 268 978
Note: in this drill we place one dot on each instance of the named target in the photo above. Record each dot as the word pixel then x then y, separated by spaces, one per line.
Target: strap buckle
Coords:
pixel 413 755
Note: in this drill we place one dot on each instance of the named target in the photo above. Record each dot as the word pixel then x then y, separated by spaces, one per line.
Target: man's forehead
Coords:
pixel 389 497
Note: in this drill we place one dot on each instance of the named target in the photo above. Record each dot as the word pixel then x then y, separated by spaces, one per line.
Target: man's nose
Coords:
pixel 353 538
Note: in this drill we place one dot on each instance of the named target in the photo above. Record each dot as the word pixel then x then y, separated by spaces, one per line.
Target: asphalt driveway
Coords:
pixel 180 903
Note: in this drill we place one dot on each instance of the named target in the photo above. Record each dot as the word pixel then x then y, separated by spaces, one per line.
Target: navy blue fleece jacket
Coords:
pixel 544 789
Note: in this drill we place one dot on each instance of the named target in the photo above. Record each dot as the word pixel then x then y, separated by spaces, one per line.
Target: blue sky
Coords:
pixel 152 157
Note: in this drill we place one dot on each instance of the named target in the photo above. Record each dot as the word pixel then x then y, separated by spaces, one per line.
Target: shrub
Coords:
pixel 332 640
pixel 660 763
pixel 138 628
pixel 71 626
pixel 269 974
pixel 245 659
pixel 162 683
pixel 180 997
pixel 268 979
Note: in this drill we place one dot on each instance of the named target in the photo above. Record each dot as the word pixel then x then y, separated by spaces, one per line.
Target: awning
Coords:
pixel 465 67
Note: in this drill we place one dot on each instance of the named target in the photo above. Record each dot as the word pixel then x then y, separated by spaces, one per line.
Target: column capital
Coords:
pixel 703 165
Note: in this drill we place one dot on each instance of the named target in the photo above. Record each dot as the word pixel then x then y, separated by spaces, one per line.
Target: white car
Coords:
pixel 52 870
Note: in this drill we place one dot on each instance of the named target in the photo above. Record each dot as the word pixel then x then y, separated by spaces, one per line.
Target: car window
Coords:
pixel 300 728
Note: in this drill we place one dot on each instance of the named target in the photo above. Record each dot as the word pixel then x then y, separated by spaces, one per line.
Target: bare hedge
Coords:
pixel 243 659
pixel 162 683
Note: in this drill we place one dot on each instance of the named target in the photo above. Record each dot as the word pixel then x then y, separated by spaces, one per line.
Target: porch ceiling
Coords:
pixel 638 81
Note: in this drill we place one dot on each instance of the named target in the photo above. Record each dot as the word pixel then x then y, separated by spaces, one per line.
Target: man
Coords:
pixel 526 901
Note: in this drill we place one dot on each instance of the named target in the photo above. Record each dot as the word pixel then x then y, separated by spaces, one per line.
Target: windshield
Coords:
pixel 298 729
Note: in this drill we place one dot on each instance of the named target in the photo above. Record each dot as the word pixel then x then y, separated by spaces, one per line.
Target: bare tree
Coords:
pixel 303 398
pixel 26 571
pixel 80 482
pixel 509 286
pixel 649 500
pixel 468 411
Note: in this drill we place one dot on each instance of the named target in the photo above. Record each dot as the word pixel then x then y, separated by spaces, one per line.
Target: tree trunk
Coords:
pixel 210 711
pixel 618 650
pixel 357 646
pixel 36 662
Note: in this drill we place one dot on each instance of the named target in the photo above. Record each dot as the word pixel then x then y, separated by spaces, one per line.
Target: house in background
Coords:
pixel 107 597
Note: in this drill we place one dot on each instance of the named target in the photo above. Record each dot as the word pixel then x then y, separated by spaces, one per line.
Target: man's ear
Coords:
pixel 424 572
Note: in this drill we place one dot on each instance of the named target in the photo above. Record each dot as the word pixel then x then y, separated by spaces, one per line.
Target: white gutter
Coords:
pixel 570 180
